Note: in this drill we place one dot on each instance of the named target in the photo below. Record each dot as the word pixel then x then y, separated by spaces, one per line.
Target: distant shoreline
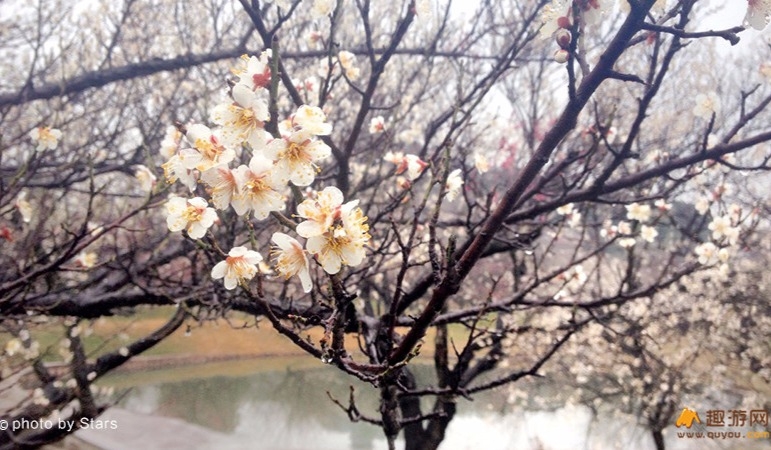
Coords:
pixel 168 361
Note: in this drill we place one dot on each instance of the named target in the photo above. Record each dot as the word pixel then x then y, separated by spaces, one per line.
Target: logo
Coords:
pixel 687 417
pixel 725 424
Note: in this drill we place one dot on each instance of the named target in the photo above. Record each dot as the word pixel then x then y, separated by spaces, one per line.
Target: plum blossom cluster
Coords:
pixel 724 233
pixel 336 232
pixel 573 280
pixel 411 164
pixel 557 20
pixel 573 215
pixel 246 168
pixel 558 17
pixel 725 219
pixel 636 226
pixel 413 167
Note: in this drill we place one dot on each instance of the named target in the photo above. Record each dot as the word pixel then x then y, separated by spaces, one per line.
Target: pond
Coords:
pixel 282 403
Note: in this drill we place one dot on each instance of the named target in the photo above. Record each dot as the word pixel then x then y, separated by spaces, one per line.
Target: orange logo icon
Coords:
pixel 687 417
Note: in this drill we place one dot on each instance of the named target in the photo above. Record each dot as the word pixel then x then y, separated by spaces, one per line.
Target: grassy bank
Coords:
pixel 237 337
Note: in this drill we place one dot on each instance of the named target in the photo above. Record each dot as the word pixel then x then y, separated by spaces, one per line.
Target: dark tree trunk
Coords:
pixel 410 406
pixel 416 435
pixel 658 439
pixel 389 410
pixel 434 434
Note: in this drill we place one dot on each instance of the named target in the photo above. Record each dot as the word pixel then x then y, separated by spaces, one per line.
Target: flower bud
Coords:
pixel 561 56
pixel 563 38
pixel 563 22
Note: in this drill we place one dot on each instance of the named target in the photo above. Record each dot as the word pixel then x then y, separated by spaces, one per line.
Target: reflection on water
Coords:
pixel 289 409
pixel 284 409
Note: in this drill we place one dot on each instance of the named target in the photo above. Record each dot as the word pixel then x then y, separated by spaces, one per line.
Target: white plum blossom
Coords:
pixel 296 156
pixel 454 184
pixel 721 227
pixel 291 259
pixel 344 243
pixel 627 242
pixel 146 177
pixel 648 233
pixel 624 227
pixel 223 185
pixel 571 214
pixel 24 207
pixel 758 13
pixel 243 117
pixel 178 168
pixel 410 163
pixel 557 14
pixel 194 215
pixel 415 166
pixel 639 212
pixel 39 397
pixel 310 84
pixel 376 125
pixel 254 72
pixel 239 266
pixel 575 219
pixel 320 212
pixel 312 119
pixel 348 63
pixel 662 205
pixel 86 260
pixel 257 189
pixel 564 210
pixel 722 190
pixel 724 254
pixel 45 138
pixel 702 205
pixel 481 163
pixel 208 150
pixel 574 279
pixel 170 142
pixel 608 230
pixel 707 253
pixel 706 104
pixel 395 158
pixel 326 67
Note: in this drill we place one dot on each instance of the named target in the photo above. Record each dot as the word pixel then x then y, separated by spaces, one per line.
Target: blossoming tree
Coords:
pixel 388 174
